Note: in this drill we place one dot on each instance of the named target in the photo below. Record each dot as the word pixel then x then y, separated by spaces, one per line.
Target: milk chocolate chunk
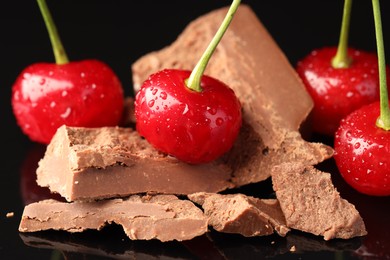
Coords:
pixel 241 214
pixel 95 163
pixel 274 100
pixel 312 204
pixel 162 217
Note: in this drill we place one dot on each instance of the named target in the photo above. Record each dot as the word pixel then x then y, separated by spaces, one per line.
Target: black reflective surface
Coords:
pixel 119 32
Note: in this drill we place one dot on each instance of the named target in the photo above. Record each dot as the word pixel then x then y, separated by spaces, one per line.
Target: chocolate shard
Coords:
pixel 274 100
pixel 312 204
pixel 161 217
pixel 241 214
pixel 95 163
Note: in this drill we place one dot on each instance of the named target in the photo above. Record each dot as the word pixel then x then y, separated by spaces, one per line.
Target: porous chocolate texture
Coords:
pixel 311 203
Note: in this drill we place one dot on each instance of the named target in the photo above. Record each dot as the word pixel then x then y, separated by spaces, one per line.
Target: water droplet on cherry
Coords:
pixel 212 110
pixel 184 107
pixel 163 95
pixel 219 121
pixel 64 93
pixel 66 113
pixel 42 81
pixel 151 103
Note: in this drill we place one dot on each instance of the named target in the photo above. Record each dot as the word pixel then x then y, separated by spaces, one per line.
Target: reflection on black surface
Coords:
pixel 29 188
pixel 299 243
pixel 113 243
pixel 110 243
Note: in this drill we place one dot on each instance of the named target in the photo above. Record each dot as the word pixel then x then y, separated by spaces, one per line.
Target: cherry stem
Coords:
pixel 383 120
pixel 341 59
pixel 58 49
pixel 193 82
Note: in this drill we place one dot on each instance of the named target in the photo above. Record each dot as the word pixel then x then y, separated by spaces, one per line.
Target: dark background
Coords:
pixel 118 32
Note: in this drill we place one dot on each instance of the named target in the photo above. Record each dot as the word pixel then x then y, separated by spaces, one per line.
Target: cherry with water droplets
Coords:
pixel 363 151
pixel 339 79
pixel 83 93
pixel 188 115
pixel 195 127
pixel 362 141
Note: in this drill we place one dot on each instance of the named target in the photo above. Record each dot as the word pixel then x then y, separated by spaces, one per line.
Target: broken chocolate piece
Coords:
pixel 274 100
pixel 241 214
pixel 162 217
pixel 312 204
pixel 252 161
pixel 92 163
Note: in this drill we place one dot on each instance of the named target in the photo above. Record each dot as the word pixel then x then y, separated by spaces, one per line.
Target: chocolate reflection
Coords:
pixel 29 189
pixel 110 242
pixel 295 243
pixel 375 212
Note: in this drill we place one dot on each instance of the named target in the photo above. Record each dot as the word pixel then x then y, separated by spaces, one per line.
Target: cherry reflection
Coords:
pixel 30 191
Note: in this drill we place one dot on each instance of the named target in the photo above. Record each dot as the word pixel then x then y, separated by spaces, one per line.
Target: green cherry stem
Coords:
pixel 58 49
pixel 383 120
pixel 193 82
pixel 341 59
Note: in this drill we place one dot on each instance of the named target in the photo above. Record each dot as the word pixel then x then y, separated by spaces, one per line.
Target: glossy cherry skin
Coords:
pixel 362 152
pixel 338 92
pixel 80 93
pixel 195 127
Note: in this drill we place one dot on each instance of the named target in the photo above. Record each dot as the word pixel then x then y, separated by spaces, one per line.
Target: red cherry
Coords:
pixel 195 127
pixel 47 95
pixel 85 93
pixel 362 151
pixel 336 92
pixel 186 114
